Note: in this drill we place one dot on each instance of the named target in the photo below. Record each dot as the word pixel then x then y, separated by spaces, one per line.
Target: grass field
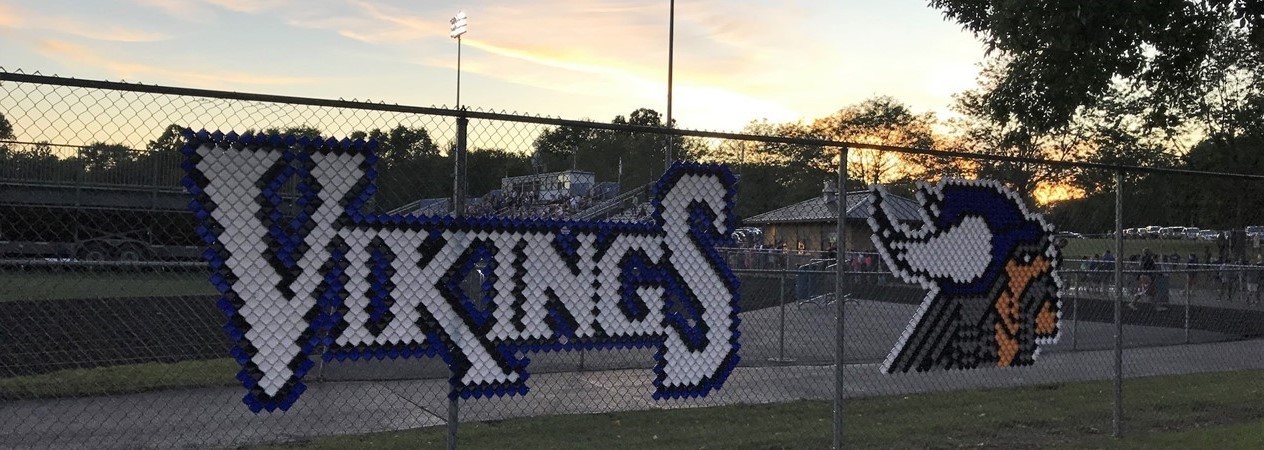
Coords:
pixel 1086 248
pixel 1223 410
pixel 46 284
pixel 1215 410
pixel 121 379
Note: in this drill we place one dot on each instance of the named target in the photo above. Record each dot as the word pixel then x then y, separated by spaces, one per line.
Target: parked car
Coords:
pixel 1254 231
pixel 1191 233
pixel 1171 233
pixel 1208 235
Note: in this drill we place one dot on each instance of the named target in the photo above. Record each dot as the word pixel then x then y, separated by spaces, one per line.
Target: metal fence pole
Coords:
pixel 1189 293
pixel 1075 319
pixel 781 326
pixel 840 302
pixel 459 186
pixel 459 183
pixel 1118 415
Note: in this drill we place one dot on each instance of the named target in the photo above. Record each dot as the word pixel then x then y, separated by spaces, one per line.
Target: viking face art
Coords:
pixel 326 279
pixel 990 269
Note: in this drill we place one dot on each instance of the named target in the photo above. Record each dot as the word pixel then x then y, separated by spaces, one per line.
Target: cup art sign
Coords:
pixel 325 274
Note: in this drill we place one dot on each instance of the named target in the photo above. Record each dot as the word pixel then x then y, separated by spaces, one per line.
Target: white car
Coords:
pixel 1191 233
pixel 1172 233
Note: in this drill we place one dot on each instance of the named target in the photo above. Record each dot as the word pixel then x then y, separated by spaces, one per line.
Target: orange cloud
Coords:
pixel 76 54
pixel 378 24
pixel 11 17
pixel 255 6
pixel 8 17
pixel 186 10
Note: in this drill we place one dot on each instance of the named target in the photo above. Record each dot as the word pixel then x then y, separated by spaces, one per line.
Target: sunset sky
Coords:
pixel 735 61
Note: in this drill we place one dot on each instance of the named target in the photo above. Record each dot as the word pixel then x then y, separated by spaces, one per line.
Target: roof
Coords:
pixel 816 209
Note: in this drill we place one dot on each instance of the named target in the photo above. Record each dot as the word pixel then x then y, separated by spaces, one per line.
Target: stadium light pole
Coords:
pixel 459 25
pixel 671 43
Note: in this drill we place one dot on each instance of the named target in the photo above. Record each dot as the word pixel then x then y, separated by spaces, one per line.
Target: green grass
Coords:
pixel 45 284
pixel 1086 248
pixel 1212 410
pixel 120 379
pixel 1246 435
pixel 1224 410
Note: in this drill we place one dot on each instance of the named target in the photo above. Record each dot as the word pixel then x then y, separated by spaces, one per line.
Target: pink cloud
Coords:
pixel 11 17
pixel 75 54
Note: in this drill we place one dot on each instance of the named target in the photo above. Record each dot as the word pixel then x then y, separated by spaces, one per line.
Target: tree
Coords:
pixel 1058 56
pixel 776 174
pixel 171 140
pixel 633 158
pixel 878 120
pixel 306 131
pixel 6 128
pixel 773 175
pixel 559 148
pixel 1113 132
pixel 6 132
pixel 493 164
pixel 411 167
pixel 1227 202
pixel 641 116
pixel 100 157
pixel 37 161
pixel 401 144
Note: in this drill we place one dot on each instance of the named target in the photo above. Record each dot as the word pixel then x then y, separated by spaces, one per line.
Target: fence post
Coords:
pixel 839 300
pixel 459 185
pixel 781 300
pixel 1189 293
pixel 81 174
pixel 1118 414
pixel 1075 319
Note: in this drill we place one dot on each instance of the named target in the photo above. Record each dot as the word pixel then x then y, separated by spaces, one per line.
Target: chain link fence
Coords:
pixel 112 326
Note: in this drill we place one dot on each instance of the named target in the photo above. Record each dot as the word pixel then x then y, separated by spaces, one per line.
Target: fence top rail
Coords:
pixel 541 120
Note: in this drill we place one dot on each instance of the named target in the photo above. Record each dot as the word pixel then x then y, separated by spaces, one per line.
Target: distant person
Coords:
pixel 1095 278
pixel 1108 265
pixel 1146 282
pixel 1252 283
pixel 1224 280
pixel 1085 278
pixel 1191 267
pixel 1163 284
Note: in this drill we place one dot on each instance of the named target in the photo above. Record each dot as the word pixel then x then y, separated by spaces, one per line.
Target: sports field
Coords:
pixel 47 284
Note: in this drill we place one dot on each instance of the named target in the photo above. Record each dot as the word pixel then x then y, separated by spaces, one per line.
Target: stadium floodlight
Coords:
pixel 459 25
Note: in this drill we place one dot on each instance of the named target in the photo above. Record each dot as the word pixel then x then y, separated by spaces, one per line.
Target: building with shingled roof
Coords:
pixel 813 222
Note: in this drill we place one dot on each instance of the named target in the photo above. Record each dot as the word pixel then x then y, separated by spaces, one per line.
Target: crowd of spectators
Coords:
pixel 528 204
pixel 757 255
pixel 1152 277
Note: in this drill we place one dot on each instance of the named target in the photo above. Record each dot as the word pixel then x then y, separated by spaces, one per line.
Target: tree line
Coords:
pixel 413 166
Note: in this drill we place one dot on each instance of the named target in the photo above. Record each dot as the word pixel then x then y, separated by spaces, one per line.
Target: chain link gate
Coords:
pixel 114 337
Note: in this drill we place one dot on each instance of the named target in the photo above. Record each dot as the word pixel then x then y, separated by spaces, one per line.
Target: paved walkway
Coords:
pixel 215 417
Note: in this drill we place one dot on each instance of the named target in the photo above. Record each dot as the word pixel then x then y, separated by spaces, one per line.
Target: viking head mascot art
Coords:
pixel 990 267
